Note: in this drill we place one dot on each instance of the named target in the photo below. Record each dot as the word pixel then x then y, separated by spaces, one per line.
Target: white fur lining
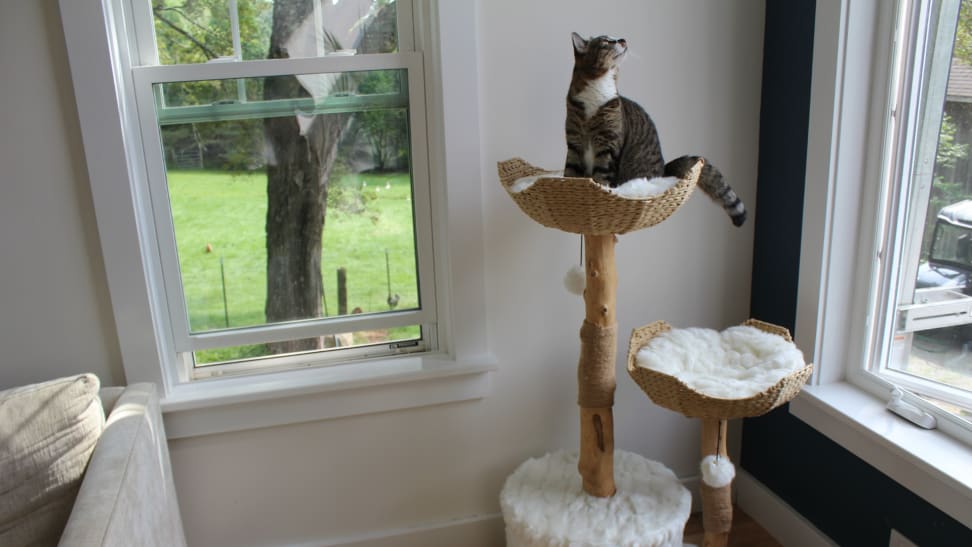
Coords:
pixel 737 363
pixel 544 505
pixel 643 188
pixel 523 183
pixel 639 188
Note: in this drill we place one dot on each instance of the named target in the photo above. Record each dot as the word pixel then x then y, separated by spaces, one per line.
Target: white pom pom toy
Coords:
pixel 717 472
pixel 575 280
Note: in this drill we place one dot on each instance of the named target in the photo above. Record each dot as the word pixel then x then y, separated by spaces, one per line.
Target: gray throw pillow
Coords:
pixel 47 434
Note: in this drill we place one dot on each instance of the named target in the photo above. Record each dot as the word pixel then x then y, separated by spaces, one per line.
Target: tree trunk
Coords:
pixel 297 181
pixel 595 369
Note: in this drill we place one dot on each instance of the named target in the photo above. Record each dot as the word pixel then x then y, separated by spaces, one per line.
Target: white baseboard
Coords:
pixel 775 515
pixel 474 531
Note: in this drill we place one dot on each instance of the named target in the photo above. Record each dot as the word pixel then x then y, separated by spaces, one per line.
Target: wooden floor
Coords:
pixel 746 532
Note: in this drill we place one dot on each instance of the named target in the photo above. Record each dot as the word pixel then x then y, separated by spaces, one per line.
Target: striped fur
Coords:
pixel 612 139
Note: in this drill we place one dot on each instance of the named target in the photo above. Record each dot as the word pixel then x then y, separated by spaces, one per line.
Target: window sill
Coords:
pixel 927 462
pixel 248 402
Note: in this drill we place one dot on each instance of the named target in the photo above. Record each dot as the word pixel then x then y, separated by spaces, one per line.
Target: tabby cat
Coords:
pixel 612 139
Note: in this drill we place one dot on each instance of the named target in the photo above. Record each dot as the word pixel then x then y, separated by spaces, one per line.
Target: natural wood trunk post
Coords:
pixel 716 502
pixel 595 369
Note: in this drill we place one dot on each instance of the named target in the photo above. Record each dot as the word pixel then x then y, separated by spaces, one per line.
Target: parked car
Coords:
pixel 949 263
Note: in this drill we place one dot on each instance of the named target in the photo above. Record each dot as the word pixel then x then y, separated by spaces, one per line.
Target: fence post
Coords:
pixel 342 290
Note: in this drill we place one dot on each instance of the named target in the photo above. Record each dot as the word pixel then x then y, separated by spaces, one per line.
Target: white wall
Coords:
pixel 56 317
pixel 695 66
pixel 346 477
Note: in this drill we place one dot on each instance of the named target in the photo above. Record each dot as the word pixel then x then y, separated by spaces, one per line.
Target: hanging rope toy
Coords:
pixel 576 279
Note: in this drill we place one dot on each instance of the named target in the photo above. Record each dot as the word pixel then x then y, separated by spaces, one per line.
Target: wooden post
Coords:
pixel 716 502
pixel 595 369
pixel 342 290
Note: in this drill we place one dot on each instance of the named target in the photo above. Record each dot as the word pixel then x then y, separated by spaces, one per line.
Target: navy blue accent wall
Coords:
pixel 844 497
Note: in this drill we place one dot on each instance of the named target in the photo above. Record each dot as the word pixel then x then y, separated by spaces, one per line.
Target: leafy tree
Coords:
pixel 297 180
pixel 963 35
pixel 945 190
pixel 385 130
pixel 197 31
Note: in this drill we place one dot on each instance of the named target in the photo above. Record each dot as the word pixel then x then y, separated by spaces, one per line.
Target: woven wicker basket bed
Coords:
pixel 670 392
pixel 582 206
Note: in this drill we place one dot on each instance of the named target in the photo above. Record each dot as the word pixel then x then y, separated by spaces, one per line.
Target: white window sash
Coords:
pixel 276 67
pixel 184 339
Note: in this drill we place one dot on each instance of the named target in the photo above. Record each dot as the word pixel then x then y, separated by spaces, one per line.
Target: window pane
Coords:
pixel 293 203
pixel 199 31
pixel 401 336
pixel 934 339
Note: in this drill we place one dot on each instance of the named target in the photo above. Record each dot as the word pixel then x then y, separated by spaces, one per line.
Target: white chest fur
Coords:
pixel 597 93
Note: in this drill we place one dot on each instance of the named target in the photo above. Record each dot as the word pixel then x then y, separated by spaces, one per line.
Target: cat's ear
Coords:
pixel 580 44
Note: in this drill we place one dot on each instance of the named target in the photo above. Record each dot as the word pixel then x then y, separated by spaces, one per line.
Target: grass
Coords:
pixel 220 223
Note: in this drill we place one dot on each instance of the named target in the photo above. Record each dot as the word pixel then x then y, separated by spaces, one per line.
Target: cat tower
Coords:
pixel 597 496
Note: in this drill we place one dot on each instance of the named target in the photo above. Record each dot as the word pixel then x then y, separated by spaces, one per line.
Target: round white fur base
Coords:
pixel 544 505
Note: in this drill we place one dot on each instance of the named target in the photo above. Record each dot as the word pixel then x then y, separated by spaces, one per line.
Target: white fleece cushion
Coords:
pixel 639 188
pixel 545 505
pixel 737 363
pixel 47 434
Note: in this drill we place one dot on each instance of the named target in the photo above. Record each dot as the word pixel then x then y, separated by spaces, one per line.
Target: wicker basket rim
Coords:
pixel 744 401
pixel 764 326
pixel 582 206
pixel 560 183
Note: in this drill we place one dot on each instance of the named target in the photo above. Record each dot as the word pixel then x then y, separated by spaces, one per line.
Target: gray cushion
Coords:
pixel 47 434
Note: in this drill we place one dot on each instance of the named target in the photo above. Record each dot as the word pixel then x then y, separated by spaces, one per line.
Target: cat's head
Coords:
pixel 596 56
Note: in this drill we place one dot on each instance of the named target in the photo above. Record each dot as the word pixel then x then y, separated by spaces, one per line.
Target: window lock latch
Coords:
pixel 910 412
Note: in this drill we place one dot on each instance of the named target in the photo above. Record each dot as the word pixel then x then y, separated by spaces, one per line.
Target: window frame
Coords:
pixel 150 72
pixel 849 123
pixel 102 52
pixel 145 77
pixel 925 61
pixel 877 206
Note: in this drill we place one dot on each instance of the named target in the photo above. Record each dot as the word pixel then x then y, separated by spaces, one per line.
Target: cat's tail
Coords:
pixel 713 184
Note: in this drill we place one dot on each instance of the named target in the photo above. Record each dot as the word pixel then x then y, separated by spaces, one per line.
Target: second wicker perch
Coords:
pixel 670 392
pixel 582 206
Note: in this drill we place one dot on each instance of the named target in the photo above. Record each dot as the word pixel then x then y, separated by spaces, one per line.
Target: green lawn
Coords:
pixel 221 217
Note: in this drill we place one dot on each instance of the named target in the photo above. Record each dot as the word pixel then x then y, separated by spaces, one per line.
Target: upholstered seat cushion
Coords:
pixel 47 434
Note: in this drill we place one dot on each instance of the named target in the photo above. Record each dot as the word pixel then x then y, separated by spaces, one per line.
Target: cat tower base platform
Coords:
pixel 544 505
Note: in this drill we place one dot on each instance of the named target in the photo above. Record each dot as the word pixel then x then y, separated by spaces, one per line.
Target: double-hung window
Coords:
pixel 287 179
pixel 267 177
